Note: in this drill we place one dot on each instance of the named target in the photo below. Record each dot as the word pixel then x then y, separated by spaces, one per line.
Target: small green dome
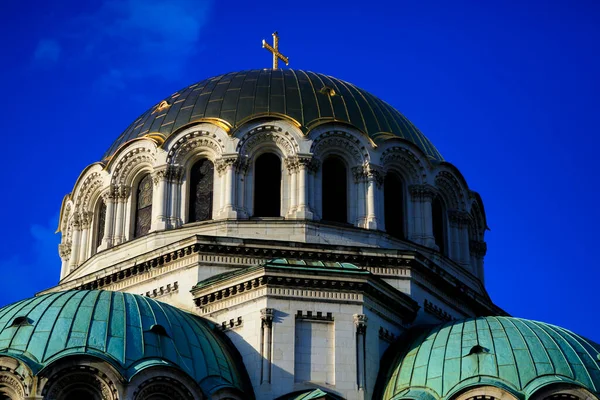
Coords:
pixel 514 354
pixel 129 331
pixel 306 97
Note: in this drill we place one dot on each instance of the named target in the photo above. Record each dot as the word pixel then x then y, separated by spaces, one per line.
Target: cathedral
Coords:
pixel 278 234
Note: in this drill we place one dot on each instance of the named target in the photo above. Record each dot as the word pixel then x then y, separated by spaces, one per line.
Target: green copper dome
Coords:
pixel 514 354
pixel 129 331
pixel 307 98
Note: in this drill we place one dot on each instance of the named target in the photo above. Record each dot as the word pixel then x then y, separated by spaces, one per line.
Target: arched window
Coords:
pixel 267 186
pixel 335 201
pixel 100 222
pixel 438 211
pixel 393 203
pixel 201 191
pixel 143 212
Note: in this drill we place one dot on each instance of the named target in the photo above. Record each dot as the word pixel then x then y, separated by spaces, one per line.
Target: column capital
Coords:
pixel 266 317
pixel 368 172
pixel 123 192
pixel 64 250
pixel 459 218
pixel 360 321
pixel 159 175
pixel 226 162
pixel 174 173
pixel 477 248
pixel 422 192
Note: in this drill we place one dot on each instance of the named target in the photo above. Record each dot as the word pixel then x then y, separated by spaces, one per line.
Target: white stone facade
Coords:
pixel 291 337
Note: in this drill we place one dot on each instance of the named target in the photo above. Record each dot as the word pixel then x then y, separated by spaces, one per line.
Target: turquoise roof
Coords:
pixel 514 354
pixel 122 329
pixel 303 96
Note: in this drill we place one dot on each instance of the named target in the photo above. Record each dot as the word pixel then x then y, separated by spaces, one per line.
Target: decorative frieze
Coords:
pixel 318 316
pixel 422 192
pixel 163 290
pixel 232 323
pixel 436 311
pixel 386 335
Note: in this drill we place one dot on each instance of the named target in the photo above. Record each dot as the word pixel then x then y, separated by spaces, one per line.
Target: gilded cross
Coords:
pixel 275 50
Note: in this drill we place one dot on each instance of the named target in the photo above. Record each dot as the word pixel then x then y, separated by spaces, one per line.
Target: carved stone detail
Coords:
pixel 87 378
pixel 459 218
pixel 174 173
pixel 407 161
pixel 477 248
pixel 191 142
pixel 133 158
pixel 12 384
pixel 340 140
pixel 266 317
pixel 268 133
pixel 368 172
pixel 451 188
pixel 162 387
pixel 360 321
pixel 223 163
pixel 422 192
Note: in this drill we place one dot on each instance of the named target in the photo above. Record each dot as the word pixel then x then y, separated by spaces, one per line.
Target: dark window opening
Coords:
pixel 267 186
pixel 159 330
pixel 143 212
pixel 335 202
pixel 101 223
pixel 201 191
pixel 393 203
pixel 21 321
pixel 439 224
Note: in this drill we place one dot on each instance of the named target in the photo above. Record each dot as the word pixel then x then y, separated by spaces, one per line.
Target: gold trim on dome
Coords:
pixel 269 114
pixel 163 105
pixel 156 137
pixel 323 121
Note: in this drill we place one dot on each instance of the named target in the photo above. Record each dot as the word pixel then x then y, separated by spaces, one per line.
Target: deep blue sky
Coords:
pixel 508 92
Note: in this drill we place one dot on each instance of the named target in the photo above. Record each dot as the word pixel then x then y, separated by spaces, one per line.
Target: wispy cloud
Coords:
pixel 136 39
pixel 46 52
pixel 35 269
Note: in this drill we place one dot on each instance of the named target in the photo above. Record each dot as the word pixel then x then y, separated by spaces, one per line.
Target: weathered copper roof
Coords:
pixel 306 97
pixel 514 354
pixel 129 331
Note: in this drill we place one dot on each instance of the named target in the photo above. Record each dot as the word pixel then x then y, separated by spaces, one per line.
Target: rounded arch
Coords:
pixel 559 390
pixel 195 144
pixel 258 139
pixel 267 189
pixel 405 158
pixel 74 377
pixel 486 392
pixel 343 144
pixel 152 382
pixel 127 164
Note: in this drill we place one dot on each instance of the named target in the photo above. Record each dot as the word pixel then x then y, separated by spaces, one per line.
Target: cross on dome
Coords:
pixel 275 50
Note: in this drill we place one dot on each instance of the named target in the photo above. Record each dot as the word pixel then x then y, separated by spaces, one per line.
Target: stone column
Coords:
pixel 173 178
pixel 303 210
pixel 360 321
pixel 374 180
pixel 291 164
pixel 110 197
pixel 159 220
pixel 266 345
pixel 360 180
pixel 422 197
pixel 241 169
pixel 64 250
pixel 459 223
pixel 477 250
pixel 226 166
pixel 86 219
pixel 123 193
pixel 75 241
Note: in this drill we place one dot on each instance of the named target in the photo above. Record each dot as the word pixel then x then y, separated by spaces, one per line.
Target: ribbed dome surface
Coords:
pixel 307 97
pixel 513 353
pixel 116 327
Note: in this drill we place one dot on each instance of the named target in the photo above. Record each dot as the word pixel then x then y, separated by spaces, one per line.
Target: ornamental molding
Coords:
pixel 360 321
pixel 451 189
pixel 478 248
pixel 368 172
pixel 159 176
pixel 423 192
pixel 459 218
pixel 128 162
pixel 339 141
pixel 267 134
pixel 162 290
pixel 386 335
pixel 81 376
pixel 436 311
pixel 64 250
pixel 406 160
pixel 232 323
pixel 194 142
pixel 266 317
pixel 13 383
pixel 90 186
pixel 314 316
pixel 229 161
pixel 162 387
pixel 174 174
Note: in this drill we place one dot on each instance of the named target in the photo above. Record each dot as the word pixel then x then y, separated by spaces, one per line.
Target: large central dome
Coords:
pixel 306 97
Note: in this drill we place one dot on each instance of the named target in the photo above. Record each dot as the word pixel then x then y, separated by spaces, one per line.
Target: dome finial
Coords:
pixel 275 50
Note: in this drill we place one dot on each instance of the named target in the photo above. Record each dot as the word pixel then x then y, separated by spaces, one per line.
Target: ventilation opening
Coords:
pixel 21 321
pixel 477 349
pixel 159 330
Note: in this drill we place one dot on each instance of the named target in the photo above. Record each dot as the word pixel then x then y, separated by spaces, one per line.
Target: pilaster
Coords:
pixel 360 322
pixel 422 197
pixel 159 220
pixel 266 344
